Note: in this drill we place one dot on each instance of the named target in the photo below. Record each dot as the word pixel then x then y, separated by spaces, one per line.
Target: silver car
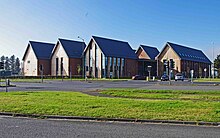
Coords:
pixel 179 76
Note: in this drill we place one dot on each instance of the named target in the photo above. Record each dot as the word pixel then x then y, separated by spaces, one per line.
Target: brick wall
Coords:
pixel 46 65
pixel 131 67
pixel 73 63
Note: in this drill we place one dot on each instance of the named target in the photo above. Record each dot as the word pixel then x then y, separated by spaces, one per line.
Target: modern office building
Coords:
pixel 147 64
pixel 36 58
pixel 108 58
pixel 185 59
pixel 66 58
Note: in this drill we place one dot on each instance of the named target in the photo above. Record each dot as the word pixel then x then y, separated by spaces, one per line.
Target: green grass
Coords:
pixel 165 94
pixel 78 104
pixel 207 80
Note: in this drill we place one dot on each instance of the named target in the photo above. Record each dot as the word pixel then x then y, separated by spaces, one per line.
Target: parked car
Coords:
pixel 138 77
pixel 179 76
pixel 164 77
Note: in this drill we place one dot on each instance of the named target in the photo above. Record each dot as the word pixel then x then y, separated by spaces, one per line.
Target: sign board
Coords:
pixel 5 73
pixel 149 68
pixel 110 73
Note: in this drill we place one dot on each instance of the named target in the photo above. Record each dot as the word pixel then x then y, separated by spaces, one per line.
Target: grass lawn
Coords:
pixel 165 94
pixel 78 104
pixel 207 80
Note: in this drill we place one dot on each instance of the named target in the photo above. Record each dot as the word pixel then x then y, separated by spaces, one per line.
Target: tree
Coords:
pixel 78 69
pixel 217 64
pixel 12 63
pixel 17 66
pixel 7 64
pixel 2 58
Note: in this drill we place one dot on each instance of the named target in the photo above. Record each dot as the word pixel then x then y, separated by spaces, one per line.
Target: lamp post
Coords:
pixel 83 60
pixel 213 70
pixel 191 72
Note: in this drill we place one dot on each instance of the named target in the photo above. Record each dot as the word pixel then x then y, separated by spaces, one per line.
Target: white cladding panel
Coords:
pixel 60 53
pixel 30 63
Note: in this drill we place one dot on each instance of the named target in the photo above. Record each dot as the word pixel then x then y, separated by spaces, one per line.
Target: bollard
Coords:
pixel 6 85
pixel 153 78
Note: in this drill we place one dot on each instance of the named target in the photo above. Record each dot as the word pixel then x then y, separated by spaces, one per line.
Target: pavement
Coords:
pixel 37 128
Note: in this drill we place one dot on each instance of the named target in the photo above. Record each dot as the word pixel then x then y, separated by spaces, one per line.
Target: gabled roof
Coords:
pixel 73 49
pixel 187 53
pixel 152 52
pixel 115 48
pixel 42 50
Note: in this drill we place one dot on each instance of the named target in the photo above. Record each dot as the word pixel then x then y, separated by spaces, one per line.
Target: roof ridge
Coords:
pixel 185 46
pixel 70 40
pixel 148 46
pixel 112 39
pixel 40 42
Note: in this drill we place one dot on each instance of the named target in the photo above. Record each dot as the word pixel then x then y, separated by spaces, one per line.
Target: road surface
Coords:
pixel 35 128
pixel 83 86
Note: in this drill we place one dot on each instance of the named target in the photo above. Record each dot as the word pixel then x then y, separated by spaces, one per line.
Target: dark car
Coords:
pixel 164 78
pixel 138 77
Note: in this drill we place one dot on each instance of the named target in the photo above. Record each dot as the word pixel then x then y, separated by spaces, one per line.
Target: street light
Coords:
pixel 83 57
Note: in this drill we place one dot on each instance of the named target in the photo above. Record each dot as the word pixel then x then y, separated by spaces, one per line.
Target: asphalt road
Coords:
pixel 35 128
pixel 84 86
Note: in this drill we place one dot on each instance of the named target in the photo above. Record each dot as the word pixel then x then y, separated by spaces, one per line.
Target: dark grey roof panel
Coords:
pixel 115 48
pixel 42 50
pixel 186 53
pixel 152 52
pixel 74 49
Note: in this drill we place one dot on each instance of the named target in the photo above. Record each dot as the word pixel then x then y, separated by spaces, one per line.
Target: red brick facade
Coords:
pixel 131 67
pixel 74 64
pixel 46 66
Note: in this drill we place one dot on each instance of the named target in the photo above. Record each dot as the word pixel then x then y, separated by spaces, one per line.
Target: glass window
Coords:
pixel 123 66
pixel 97 56
pixel 106 66
pixel 123 62
pixel 106 61
pixel 114 61
pixel 111 65
pixel 119 62
pixel 103 61
pixel 90 58
pixel 110 61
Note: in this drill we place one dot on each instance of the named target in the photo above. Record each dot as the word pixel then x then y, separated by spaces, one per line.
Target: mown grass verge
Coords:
pixel 78 104
pixel 207 80
pixel 165 94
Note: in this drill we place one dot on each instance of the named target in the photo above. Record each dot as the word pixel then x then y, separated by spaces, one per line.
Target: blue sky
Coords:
pixel 194 23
